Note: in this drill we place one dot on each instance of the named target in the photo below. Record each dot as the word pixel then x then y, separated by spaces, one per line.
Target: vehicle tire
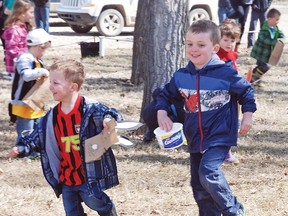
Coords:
pixel 198 14
pixel 81 29
pixel 110 23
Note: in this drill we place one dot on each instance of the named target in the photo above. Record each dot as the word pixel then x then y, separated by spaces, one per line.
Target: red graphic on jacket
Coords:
pixel 190 101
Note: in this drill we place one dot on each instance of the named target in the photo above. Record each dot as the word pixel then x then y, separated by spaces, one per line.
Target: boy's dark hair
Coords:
pixel 273 12
pixel 73 71
pixel 204 26
pixel 230 28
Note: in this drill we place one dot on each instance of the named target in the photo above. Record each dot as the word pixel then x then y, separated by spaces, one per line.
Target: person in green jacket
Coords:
pixel 268 36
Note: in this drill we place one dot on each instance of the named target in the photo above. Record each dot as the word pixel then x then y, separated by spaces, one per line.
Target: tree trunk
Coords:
pixel 158 49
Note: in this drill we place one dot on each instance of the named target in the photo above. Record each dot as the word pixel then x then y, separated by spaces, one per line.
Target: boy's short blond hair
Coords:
pixel 72 69
pixel 204 26
pixel 230 28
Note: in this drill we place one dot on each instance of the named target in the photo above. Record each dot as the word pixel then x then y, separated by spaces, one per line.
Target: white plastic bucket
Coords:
pixel 171 139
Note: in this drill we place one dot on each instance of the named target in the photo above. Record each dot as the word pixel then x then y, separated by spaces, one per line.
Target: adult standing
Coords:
pixel 224 9
pixel 259 11
pixel 241 8
pixel 41 14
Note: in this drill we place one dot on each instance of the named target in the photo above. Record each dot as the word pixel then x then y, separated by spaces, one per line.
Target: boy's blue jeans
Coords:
pixel 210 187
pixel 74 195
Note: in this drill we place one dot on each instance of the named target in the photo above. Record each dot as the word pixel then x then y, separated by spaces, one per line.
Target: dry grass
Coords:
pixel 153 181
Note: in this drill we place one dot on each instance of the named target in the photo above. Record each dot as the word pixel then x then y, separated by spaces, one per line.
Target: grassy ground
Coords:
pixel 154 181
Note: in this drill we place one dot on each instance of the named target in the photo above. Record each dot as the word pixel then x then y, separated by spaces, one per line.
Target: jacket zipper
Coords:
pixel 199 111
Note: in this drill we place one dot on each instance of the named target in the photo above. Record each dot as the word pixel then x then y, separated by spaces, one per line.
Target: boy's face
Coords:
pixel 40 50
pixel 60 87
pixel 273 21
pixel 227 43
pixel 199 48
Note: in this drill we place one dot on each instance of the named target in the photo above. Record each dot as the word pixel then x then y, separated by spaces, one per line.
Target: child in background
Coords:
pixel 60 136
pixel 28 68
pixel 211 89
pixel 17 26
pixel 230 34
pixel 268 36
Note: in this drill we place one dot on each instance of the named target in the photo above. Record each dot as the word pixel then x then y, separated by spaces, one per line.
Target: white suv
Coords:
pixel 111 16
pixel 203 9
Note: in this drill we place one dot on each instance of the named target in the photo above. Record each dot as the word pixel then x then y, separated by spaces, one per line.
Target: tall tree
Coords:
pixel 158 48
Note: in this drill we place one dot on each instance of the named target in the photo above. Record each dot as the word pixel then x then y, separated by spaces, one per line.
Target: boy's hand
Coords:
pixel 246 123
pixel 109 124
pixel 44 72
pixel 13 152
pixel 164 121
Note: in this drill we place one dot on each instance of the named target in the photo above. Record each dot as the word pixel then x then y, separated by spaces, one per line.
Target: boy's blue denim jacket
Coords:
pixel 101 174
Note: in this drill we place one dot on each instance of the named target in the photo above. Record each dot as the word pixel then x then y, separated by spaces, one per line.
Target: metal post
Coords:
pixel 101 46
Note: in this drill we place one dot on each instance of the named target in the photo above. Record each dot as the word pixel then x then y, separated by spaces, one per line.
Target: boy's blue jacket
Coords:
pixel 210 96
pixel 101 174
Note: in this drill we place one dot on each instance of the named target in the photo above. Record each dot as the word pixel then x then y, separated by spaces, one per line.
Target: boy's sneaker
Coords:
pixel 148 137
pixel 241 211
pixel 8 76
pixel 230 158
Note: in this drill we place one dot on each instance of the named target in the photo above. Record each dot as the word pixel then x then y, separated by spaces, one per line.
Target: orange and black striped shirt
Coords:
pixel 67 127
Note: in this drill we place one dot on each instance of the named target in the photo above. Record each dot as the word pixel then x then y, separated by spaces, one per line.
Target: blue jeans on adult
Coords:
pixel 74 195
pixel 210 188
pixel 255 16
pixel 23 124
pixel 42 17
pixel 223 13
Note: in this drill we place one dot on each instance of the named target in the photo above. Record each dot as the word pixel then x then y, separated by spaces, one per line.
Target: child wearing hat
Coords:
pixel 29 67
